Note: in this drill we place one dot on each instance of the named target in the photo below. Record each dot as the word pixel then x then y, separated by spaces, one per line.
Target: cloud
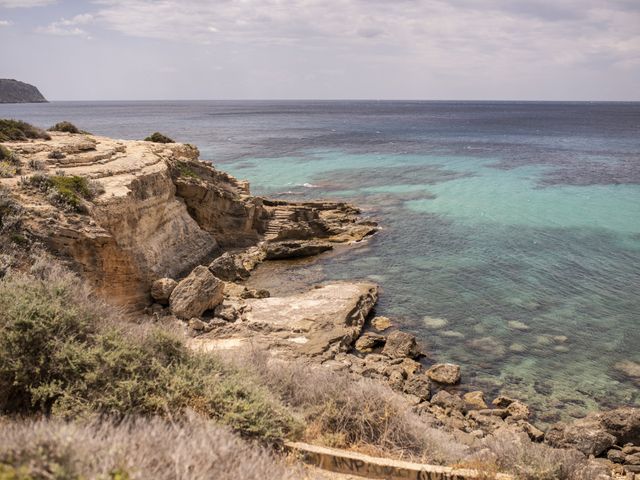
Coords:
pixel 25 3
pixel 68 27
pixel 5 23
pixel 439 32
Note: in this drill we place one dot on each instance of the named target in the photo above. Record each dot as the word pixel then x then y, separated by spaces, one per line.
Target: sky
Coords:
pixel 324 49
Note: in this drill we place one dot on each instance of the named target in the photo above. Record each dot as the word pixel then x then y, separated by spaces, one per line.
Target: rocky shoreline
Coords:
pixel 167 234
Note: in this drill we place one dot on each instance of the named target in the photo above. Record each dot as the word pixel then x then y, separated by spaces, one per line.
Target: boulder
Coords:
pixel 518 410
pixel 419 386
pixel 197 293
pixel 534 433
pixel 286 250
pixel 368 341
pixel 445 373
pixel 623 423
pixel 400 344
pixel 228 268
pixel 161 290
pixel 197 325
pixel 586 435
pixel 616 456
pixel 227 313
pixel 381 323
pixel 475 400
pixel 447 401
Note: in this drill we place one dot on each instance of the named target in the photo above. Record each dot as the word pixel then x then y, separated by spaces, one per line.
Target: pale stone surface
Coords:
pixel 333 313
pixel 197 293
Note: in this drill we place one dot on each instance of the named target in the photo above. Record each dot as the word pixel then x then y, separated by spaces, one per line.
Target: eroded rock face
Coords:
pixel 197 293
pixel 160 213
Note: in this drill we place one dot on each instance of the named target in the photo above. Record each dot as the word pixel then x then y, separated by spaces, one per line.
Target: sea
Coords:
pixel 510 231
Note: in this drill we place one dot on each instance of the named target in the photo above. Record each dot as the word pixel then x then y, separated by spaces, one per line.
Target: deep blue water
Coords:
pixel 511 231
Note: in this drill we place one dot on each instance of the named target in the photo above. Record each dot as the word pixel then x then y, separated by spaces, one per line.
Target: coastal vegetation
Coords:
pixel 17 130
pixel 65 191
pixel 66 127
pixel 158 137
pixel 65 354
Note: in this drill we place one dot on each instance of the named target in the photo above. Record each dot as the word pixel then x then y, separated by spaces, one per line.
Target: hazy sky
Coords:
pixel 395 49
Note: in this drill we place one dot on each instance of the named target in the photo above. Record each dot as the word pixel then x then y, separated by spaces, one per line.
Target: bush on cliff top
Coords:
pixel 66 192
pixel 17 130
pixel 61 355
pixel 157 137
pixel 65 126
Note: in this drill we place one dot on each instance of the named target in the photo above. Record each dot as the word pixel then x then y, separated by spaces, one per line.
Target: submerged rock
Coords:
pixel 197 293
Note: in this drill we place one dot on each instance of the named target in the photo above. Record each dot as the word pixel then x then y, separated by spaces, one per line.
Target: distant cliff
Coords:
pixel 13 91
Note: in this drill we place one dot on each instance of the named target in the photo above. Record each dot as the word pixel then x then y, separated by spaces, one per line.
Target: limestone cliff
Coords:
pixel 158 211
pixel 14 91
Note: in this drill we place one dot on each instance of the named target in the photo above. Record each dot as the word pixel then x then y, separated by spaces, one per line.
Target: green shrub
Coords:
pixel 7 155
pixel 8 170
pixel 157 137
pixel 66 192
pixel 184 170
pixel 58 357
pixel 65 126
pixel 17 130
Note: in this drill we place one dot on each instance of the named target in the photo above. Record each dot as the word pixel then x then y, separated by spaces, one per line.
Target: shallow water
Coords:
pixel 516 226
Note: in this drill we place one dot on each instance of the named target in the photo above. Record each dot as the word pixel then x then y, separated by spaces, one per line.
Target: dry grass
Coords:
pixel 515 453
pixel 358 414
pixel 153 448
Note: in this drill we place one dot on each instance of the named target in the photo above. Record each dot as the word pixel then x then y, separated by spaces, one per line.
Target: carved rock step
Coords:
pixel 342 461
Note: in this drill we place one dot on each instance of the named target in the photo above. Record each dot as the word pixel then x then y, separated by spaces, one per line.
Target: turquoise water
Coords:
pixel 510 237
pixel 537 285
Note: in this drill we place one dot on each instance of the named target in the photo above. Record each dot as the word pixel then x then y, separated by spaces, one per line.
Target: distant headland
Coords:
pixel 14 91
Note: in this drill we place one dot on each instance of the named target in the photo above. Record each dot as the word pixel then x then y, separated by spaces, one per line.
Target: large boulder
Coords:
pixel 445 373
pixel 197 293
pixel 229 268
pixel 401 344
pixel 162 289
pixel 597 432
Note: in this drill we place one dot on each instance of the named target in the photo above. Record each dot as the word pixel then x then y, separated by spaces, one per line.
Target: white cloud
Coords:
pixel 441 33
pixel 25 3
pixel 68 27
pixel 4 23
